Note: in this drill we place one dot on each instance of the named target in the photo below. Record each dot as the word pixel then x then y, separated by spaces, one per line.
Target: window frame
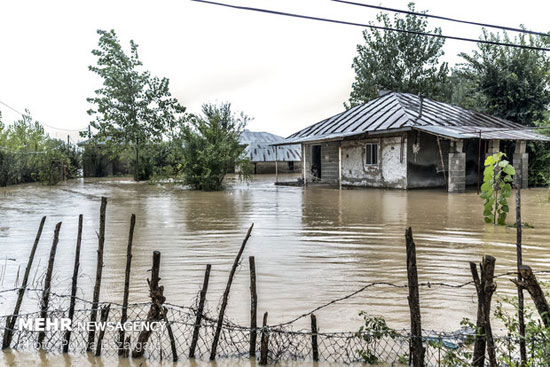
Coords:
pixel 374 148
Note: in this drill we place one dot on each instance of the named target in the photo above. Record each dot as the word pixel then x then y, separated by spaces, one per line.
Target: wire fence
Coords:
pixel 374 345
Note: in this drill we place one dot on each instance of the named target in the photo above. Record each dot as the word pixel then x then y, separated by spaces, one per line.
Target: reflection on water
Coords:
pixel 311 245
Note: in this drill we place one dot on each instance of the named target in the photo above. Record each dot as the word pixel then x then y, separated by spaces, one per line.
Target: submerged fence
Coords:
pixel 197 332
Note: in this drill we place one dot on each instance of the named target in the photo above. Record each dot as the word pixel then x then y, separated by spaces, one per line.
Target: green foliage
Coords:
pixel 28 154
pixel 372 332
pixel 496 188
pixel 211 147
pixel 514 84
pixel 132 109
pixel 537 336
pixel 397 61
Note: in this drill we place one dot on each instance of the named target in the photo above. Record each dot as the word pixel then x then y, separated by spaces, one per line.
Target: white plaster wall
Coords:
pixel 391 170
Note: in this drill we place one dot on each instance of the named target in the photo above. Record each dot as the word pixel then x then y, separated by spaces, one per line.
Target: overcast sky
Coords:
pixel 285 73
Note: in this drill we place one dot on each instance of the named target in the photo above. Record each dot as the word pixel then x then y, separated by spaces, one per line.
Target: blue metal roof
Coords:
pixel 259 148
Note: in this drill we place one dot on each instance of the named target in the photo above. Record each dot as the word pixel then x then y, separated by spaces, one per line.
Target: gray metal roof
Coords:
pixel 259 148
pixel 401 111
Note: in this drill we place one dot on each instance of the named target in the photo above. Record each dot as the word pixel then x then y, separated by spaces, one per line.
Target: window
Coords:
pixel 371 154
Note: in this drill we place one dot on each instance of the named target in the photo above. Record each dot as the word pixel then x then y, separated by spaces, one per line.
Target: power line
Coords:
pixel 513 29
pixel 293 15
pixel 50 126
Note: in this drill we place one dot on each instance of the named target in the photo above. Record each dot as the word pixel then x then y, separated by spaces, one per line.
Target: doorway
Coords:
pixel 316 161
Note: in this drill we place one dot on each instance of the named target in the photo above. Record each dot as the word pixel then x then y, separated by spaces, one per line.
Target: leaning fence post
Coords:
pixel 264 343
pixel 416 348
pixel 10 321
pixel 67 336
pixel 530 283
pixel 99 271
pixel 485 288
pixel 253 306
pixel 124 311
pixel 314 345
pixel 200 309
pixel 103 318
pixel 48 283
pixel 226 296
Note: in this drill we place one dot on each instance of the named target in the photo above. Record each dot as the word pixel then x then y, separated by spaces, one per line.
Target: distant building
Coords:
pixel 96 162
pixel 265 156
pixel 404 141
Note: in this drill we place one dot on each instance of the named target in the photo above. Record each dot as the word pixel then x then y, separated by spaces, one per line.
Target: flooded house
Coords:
pixel 405 141
pixel 268 158
pixel 97 162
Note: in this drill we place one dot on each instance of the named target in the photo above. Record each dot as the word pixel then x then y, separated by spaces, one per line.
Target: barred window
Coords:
pixel 371 154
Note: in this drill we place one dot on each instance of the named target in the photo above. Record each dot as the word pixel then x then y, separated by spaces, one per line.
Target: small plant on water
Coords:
pixel 497 188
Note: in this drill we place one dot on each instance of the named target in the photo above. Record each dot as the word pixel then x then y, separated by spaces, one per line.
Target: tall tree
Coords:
pixel 514 84
pixel 513 81
pixel 212 147
pixel 132 108
pixel 397 61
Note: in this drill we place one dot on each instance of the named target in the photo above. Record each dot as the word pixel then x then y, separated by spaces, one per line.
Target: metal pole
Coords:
pixel 522 347
pixel 479 163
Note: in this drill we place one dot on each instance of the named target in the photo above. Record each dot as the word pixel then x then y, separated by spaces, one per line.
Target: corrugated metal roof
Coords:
pixel 259 148
pixel 395 111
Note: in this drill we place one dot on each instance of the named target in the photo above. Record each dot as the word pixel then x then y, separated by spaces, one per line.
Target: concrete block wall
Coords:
pixel 521 165
pixel 457 172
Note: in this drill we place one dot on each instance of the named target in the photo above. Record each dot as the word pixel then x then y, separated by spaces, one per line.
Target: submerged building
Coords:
pixel 268 158
pixel 404 141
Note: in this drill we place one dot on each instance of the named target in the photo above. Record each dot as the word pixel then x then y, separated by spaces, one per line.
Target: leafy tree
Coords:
pixel 496 188
pixel 133 108
pixel 514 84
pixel 211 147
pixel 513 81
pixel 397 61
pixel 28 154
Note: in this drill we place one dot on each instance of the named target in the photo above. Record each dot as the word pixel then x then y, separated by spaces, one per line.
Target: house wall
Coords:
pixel 391 170
pixel 282 167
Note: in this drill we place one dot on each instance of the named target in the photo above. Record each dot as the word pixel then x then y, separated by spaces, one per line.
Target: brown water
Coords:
pixel 311 245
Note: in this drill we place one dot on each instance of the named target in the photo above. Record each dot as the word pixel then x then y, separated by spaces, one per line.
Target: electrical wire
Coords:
pixel 487 25
pixel 371 26
pixel 50 126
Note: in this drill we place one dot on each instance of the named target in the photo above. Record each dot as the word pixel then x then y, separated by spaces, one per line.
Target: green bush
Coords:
pixel 28 154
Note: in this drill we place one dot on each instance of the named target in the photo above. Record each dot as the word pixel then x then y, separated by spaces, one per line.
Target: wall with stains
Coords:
pixel 391 170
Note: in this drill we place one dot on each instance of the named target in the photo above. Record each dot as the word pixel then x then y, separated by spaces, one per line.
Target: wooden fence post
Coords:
pixel 10 321
pixel 417 350
pixel 530 283
pixel 200 310
pixel 225 297
pixel 103 318
pixel 124 311
pixel 264 343
pixel 253 306
pixel 48 283
pixel 314 344
pixel 485 288
pixel 99 271
pixel 67 336
pixel 154 312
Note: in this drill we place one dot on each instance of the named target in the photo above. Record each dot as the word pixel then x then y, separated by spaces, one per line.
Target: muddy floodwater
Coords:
pixel 311 245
